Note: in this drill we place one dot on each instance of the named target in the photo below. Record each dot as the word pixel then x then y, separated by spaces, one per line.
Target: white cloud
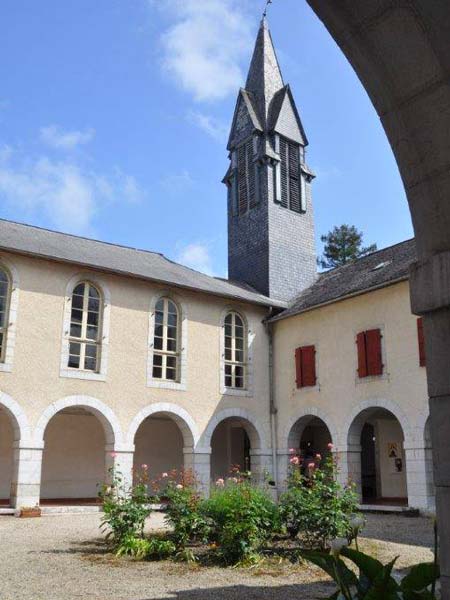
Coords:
pixel 196 256
pixel 56 137
pixel 205 44
pixel 177 182
pixel 62 192
pixel 210 125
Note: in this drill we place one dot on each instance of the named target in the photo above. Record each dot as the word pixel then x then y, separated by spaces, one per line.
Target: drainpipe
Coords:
pixel 272 405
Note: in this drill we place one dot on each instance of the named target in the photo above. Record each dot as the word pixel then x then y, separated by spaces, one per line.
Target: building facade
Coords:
pixel 114 356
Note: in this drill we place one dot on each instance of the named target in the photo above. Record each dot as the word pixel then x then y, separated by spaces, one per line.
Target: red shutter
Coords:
pixel 421 340
pixel 308 366
pixel 373 347
pixel 362 354
pixel 298 367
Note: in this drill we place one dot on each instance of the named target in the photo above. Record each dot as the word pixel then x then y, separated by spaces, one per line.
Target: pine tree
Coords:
pixel 342 245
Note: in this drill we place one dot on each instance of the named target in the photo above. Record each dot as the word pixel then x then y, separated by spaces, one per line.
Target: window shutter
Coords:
pixel 308 354
pixel 298 367
pixel 421 340
pixel 284 172
pixel 373 348
pixel 362 354
pixel 294 173
pixel 242 180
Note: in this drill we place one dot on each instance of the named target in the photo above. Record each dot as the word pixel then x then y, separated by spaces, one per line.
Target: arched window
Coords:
pixel 166 341
pixel 235 355
pixel 85 328
pixel 5 297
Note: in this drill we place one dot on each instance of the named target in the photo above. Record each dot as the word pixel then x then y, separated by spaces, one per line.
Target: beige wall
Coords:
pixel 35 382
pixel 339 392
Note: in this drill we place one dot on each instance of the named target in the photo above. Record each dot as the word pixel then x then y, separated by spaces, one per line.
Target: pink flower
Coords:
pixel 330 446
pixel 164 475
pixel 179 486
pixel 220 482
pixel 144 466
pixel 319 456
pixel 294 460
pixel 233 479
pixel 113 454
pixel 311 465
pixel 291 450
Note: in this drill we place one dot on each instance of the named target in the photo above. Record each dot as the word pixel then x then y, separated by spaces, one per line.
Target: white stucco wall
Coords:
pixel 393 483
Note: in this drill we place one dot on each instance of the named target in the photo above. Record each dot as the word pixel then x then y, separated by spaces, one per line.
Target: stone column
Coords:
pixel 419 492
pixel 121 458
pixel 261 463
pixel 26 479
pixel 349 466
pixel 283 457
pixel 199 461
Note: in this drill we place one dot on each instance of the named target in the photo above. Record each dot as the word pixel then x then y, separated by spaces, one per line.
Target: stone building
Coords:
pixel 115 355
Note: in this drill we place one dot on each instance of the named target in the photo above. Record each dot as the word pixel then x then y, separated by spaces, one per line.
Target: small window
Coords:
pixel 85 328
pixel 305 366
pixel 369 353
pixel 166 341
pixel 5 298
pixel 235 336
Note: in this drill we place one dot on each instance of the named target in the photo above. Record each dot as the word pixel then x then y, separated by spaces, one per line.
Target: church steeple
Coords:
pixel 264 78
pixel 270 224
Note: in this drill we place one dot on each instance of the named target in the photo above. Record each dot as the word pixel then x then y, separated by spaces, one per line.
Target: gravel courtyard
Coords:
pixel 60 558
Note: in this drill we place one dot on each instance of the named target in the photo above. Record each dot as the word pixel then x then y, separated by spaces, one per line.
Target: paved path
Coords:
pixel 60 558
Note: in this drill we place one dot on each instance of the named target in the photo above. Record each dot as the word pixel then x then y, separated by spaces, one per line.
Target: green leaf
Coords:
pixel 420 576
pixel 371 567
pixel 384 586
pixel 328 564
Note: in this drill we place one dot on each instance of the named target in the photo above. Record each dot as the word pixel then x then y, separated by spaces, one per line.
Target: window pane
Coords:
pixel 228 330
pixel 239 382
pixel 171 374
pixel 171 362
pixel 227 354
pixel 228 342
pixel 239 356
pixel 239 371
pixel 158 343
pixel 93 292
pixel 77 315
pixel 159 318
pixel 239 344
pixel 228 319
pixel 75 330
pixel 160 305
pixel 1 342
pixel 3 277
pixel 94 305
pixel 159 331
pixel 74 362
pixel 77 301
pixel 228 381
pixel 172 332
pixel 91 350
pixel 79 290
pixel 171 307
pixel 238 321
pixel 171 345
pixel 74 349
pixel 92 318
pixel 90 364
pixel 228 369
pixel 239 331
pixel 92 332
pixel 157 360
pixel 172 320
pixel 157 372
pixel 2 319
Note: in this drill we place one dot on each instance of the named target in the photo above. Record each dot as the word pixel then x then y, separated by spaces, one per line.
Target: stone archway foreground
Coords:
pixel 400 50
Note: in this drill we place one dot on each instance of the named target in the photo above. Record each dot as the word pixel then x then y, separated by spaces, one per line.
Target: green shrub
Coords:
pixel 184 510
pixel 125 507
pixel 242 517
pixel 150 549
pixel 316 507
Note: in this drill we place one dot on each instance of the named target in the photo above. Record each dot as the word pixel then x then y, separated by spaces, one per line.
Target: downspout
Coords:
pixel 272 406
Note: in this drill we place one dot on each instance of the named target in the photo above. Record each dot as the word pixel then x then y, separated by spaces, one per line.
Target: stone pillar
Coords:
pixel 349 467
pixel 199 461
pixel 283 457
pixel 121 458
pixel 430 297
pixel 417 481
pixel 26 480
pixel 261 462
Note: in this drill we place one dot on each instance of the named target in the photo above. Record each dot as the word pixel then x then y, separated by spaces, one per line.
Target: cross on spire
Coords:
pixel 266 8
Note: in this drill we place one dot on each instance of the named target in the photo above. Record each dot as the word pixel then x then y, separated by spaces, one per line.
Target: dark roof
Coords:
pixel 62 247
pixel 375 270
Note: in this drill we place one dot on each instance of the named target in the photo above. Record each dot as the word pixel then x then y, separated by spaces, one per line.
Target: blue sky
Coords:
pixel 114 117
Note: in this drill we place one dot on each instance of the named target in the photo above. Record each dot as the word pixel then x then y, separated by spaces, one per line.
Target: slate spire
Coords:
pixel 264 78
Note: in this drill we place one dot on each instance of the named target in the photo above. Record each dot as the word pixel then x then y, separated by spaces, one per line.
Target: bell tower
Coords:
pixel 271 244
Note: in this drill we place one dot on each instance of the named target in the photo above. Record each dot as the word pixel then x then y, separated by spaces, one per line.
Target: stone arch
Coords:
pixel 19 420
pixel 107 417
pixel 301 419
pixel 253 428
pixel 181 417
pixel 358 411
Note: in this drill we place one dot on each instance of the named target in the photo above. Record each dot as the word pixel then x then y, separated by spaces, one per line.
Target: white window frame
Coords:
pixel 181 383
pixel 247 391
pixel 105 298
pixel 6 363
